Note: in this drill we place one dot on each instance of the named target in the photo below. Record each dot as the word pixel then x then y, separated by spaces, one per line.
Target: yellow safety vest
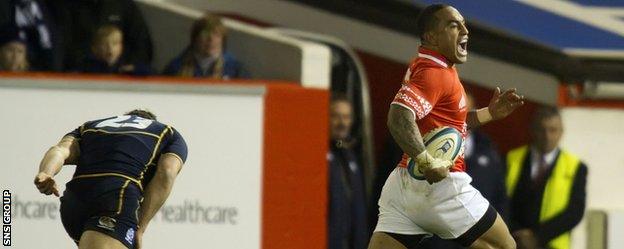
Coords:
pixel 557 191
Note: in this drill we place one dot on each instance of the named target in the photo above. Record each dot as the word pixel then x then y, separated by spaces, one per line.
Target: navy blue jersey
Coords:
pixel 127 146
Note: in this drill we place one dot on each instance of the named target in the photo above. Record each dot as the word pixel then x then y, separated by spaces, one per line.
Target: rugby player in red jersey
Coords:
pixel 435 196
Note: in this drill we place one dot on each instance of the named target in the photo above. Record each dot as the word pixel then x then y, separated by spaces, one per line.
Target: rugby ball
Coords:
pixel 442 142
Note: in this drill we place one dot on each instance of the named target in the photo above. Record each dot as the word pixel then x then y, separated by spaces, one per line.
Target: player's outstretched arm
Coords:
pixel 66 151
pixel 158 190
pixel 405 132
pixel 501 105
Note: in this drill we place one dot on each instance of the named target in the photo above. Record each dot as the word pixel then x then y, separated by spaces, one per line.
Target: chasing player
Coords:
pixel 431 96
pixel 125 169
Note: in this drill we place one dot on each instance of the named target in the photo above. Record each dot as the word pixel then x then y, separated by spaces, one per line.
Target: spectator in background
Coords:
pixel 105 56
pixel 31 21
pixel 348 228
pixel 205 56
pixel 485 166
pixel 487 170
pixel 13 54
pixel 546 185
pixel 78 21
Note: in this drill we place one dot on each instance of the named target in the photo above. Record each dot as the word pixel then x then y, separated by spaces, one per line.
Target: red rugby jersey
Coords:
pixel 432 91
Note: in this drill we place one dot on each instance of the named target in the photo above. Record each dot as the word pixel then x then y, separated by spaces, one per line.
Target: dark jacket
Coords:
pixel 348 226
pixel 79 19
pixel 96 66
pixel 526 203
pixel 231 67
pixel 487 170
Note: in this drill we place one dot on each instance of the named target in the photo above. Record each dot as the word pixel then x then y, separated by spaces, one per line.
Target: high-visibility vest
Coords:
pixel 557 191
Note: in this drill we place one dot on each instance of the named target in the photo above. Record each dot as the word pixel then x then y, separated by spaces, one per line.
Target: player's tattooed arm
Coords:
pixel 406 133
pixel 159 188
pixel 66 151
pixel 404 130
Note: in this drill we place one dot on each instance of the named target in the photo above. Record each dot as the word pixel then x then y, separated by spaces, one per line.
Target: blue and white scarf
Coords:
pixel 28 15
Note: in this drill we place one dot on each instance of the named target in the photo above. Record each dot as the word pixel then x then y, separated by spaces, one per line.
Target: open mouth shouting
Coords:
pixel 462 46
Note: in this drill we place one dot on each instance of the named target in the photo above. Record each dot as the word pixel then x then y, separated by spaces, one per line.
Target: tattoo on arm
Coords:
pixel 403 128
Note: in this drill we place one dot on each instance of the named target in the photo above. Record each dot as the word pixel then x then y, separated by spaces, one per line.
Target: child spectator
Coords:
pixel 78 20
pixel 13 54
pixel 106 54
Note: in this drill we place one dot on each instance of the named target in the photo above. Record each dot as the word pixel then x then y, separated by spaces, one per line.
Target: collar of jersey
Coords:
pixel 433 56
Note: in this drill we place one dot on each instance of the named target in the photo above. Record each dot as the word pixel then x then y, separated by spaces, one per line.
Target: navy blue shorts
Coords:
pixel 108 205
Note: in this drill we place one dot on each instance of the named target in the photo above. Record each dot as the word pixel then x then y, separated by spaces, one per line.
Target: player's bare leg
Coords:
pixel 95 240
pixel 381 240
pixel 497 237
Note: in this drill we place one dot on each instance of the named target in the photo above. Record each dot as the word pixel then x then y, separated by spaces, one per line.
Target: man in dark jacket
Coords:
pixel 487 170
pixel 348 228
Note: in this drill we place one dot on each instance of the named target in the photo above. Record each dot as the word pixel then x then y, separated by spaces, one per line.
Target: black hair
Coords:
pixel 9 33
pixel 542 113
pixel 427 20
pixel 339 97
pixel 142 113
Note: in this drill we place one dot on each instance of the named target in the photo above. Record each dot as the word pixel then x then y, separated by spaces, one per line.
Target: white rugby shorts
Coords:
pixel 448 208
